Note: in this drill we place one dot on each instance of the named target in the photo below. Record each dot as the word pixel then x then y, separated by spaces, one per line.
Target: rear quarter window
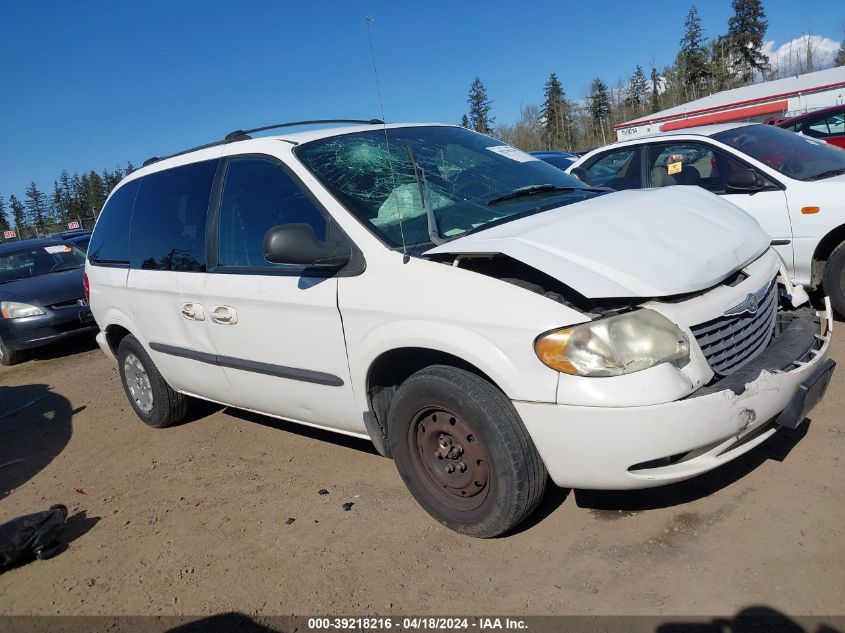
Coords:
pixel 109 244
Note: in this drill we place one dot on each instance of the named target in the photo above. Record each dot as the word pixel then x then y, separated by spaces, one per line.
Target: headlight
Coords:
pixel 15 310
pixel 617 345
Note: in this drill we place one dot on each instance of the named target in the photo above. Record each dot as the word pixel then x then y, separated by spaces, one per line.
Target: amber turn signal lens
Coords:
pixel 551 349
pixel 810 210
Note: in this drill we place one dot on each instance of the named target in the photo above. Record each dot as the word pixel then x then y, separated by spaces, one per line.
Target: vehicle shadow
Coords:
pixel 356 443
pixel 775 448
pixel 35 426
pixel 551 501
pixel 756 619
pixel 224 623
pixel 68 347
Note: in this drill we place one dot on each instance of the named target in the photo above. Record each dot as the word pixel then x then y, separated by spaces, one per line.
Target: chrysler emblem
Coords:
pixel 750 304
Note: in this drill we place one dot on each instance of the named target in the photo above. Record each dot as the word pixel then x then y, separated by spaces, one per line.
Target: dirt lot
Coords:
pixel 196 519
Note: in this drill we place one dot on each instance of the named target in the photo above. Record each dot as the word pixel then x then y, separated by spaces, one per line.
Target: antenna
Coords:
pixel 369 20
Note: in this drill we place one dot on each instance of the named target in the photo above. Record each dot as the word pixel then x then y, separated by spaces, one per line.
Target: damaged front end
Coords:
pixel 622 445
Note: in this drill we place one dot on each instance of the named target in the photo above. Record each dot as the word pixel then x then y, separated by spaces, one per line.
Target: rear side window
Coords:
pixel 168 225
pixel 257 195
pixel 110 242
pixel 824 126
pixel 617 170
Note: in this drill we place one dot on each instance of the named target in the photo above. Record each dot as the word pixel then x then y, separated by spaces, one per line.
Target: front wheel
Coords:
pixel 464 453
pixel 8 356
pixel 833 280
pixel 153 400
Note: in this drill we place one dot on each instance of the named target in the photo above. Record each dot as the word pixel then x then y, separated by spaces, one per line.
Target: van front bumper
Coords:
pixel 618 448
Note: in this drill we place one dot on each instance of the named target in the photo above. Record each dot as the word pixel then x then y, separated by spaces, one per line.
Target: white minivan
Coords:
pixel 485 319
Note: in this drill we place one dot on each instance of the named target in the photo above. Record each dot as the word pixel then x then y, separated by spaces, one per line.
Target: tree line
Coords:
pixel 77 197
pixel 701 67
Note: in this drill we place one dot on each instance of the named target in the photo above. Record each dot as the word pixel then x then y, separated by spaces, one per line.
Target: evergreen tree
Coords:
pixel 69 200
pixel 839 60
pixel 599 108
pixel 599 101
pixel 36 206
pixel 692 58
pixel 655 89
pixel 4 218
pixel 59 210
pixel 722 76
pixel 465 122
pixel 479 108
pixel 637 91
pixel 18 213
pixel 96 193
pixel 746 30
pixel 557 116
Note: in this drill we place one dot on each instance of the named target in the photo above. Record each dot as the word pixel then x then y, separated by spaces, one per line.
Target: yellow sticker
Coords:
pixel 674 168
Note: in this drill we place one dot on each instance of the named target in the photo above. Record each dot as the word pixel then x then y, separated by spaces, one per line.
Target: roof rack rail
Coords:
pixel 241 135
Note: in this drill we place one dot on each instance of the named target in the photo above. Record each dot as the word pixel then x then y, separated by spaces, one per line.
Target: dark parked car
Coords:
pixel 80 240
pixel 561 160
pixel 42 298
pixel 827 124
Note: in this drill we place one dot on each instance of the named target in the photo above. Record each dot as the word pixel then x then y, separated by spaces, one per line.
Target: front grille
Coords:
pixel 67 304
pixel 730 341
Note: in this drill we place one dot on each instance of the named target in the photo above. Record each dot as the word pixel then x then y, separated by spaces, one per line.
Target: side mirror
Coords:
pixel 581 174
pixel 745 180
pixel 297 244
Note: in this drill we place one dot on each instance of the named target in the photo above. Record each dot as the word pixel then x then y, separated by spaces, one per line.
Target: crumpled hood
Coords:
pixel 636 243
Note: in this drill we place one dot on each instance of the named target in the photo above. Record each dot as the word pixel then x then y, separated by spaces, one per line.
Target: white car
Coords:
pixel 793 185
pixel 483 318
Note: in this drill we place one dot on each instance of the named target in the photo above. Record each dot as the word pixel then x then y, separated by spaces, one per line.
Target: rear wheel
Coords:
pixel 463 452
pixel 154 401
pixel 833 281
pixel 9 356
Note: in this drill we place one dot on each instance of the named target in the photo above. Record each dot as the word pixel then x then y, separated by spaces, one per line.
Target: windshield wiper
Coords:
pixel 419 174
pixel 530 190
pixel 830 173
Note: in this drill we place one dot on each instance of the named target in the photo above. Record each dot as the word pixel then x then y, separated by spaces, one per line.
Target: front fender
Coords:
pixel 511 364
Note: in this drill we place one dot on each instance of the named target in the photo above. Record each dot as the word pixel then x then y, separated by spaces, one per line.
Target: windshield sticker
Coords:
pixel 511 152
pixel 61 248
pixel 674 168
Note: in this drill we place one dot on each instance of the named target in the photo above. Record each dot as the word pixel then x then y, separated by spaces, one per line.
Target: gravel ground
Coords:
pixel 223 513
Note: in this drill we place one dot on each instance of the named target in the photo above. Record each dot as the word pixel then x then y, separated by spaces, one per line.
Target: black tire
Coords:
pixel 477 429
pixel 9 356
pixel 833 280
pixel 161 406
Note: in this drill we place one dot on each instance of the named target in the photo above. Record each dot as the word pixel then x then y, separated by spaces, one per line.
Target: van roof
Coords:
pixel 295 138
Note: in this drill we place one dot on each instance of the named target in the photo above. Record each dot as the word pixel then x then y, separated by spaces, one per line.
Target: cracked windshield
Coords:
pixel 430 184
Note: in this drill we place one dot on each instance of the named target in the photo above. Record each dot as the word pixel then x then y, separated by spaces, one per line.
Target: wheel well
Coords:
pixel 827 245
pixel 392 368
pixel 114 335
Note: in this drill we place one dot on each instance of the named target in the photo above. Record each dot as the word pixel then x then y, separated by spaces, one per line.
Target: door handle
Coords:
pixel 225 315
pixel 193 311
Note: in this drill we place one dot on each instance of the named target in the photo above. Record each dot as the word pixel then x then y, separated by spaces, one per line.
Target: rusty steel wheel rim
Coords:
pixel 449 459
